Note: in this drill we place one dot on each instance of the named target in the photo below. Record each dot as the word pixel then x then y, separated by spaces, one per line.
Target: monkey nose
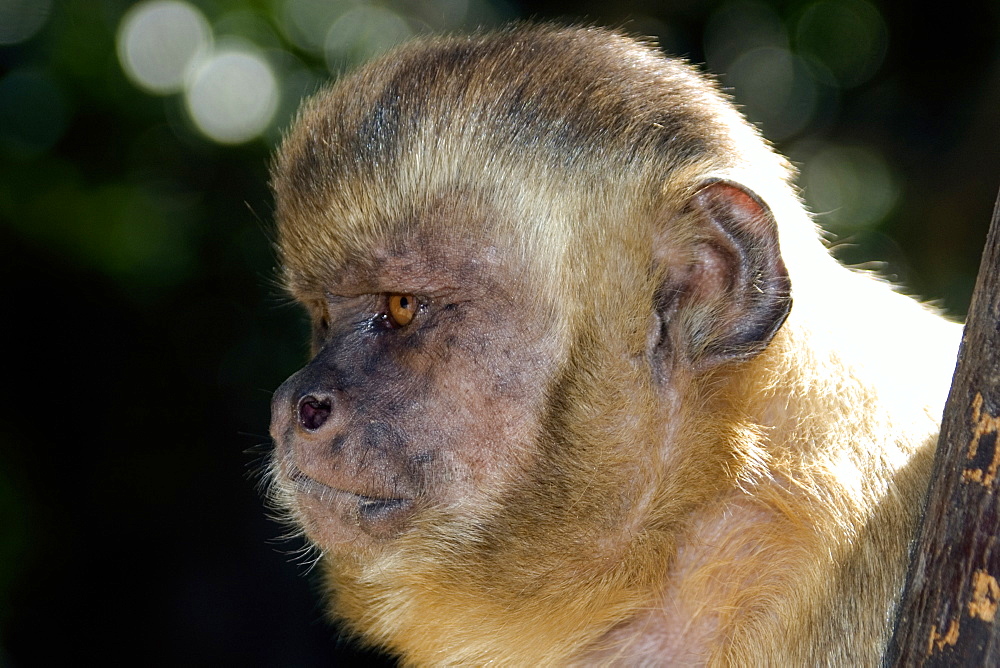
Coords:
pixel 314 411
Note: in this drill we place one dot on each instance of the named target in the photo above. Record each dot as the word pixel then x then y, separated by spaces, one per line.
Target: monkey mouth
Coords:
pixel 378 516
pixel 375 510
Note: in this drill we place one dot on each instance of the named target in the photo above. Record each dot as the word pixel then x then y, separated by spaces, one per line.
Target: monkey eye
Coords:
pixel 401 309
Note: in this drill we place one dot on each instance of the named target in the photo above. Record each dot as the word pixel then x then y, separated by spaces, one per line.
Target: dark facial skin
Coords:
pixel 391 418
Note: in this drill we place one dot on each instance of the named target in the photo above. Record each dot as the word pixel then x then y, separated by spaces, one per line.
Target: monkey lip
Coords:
pixel 378 516
pixel 382 509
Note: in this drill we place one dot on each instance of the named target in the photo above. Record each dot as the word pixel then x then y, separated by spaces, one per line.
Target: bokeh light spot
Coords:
pixel 776 89
pixel 21 19
pixel 362 33
pixel 159 40
pixel 306 22
pixel 232 96
pixel 440 14
pixel 848 36
pixel 850 187
pixel 739 27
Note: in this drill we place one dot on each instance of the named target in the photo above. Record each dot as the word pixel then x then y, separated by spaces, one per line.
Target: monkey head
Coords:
pixel 532 265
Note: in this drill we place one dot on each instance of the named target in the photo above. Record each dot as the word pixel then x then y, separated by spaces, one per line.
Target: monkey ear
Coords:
pixel 725 291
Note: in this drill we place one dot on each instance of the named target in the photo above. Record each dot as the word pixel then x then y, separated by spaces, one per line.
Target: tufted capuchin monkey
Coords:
pixel 586 385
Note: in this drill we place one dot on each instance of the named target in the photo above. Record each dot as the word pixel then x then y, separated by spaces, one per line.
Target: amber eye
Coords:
pixel 402 308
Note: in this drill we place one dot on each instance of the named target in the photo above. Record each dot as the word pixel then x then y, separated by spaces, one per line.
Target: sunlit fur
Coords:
pixel 756 512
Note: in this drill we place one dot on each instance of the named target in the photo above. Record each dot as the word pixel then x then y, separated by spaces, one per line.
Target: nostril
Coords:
pixel 313 412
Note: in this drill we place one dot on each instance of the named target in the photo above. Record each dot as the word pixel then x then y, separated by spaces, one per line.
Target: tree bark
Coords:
pixel 948 615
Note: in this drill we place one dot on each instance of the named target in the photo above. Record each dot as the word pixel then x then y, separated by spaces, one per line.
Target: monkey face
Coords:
pixel 429 368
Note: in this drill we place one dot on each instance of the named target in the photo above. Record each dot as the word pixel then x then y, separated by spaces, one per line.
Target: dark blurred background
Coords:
pixel 144 331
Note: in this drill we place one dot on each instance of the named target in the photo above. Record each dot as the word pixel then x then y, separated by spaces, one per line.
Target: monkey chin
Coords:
pixel 341 519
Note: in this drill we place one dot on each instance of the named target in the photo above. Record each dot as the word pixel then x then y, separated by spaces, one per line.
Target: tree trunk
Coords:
pixel 948 615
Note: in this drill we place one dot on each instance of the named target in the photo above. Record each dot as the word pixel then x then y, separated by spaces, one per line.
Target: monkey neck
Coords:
pixel 437 613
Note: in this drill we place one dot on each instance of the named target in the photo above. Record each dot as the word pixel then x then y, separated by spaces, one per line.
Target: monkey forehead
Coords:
pixel 451 245
pixel 568 89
